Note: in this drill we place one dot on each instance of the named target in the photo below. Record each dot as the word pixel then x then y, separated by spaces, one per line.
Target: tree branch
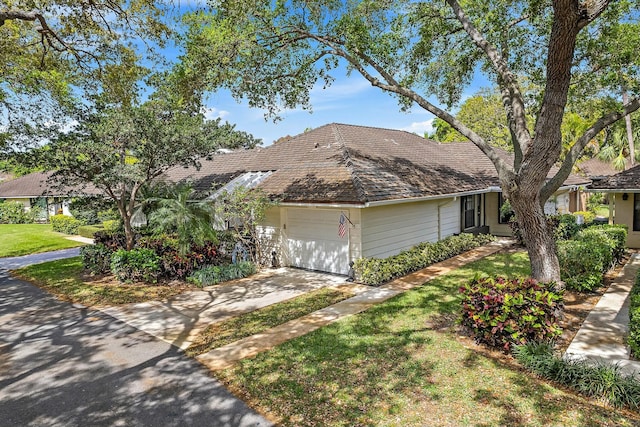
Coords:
pixel 506 76
pixel 576 150
pixel 590 10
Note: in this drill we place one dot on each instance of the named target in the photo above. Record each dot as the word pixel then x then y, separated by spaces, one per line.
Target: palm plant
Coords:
pixel 616 150
pixel 180 212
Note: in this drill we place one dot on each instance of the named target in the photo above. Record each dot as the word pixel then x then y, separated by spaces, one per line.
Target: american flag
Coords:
pixel 342 225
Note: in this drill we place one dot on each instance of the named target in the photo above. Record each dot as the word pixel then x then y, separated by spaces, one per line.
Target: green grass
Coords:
pixel 401 363
pixel 603 210
pixel 24 239
pixel 65 279
pixel 258 321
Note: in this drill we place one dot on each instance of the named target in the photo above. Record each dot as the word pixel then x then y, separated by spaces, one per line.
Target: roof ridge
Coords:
pixel 346 157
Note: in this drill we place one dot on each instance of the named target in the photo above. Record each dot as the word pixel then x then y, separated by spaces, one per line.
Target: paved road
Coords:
pixel 62 365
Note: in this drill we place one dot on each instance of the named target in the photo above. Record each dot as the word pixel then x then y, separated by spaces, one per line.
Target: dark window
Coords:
pixel 636 212
pixel 505 213
pixel 468 212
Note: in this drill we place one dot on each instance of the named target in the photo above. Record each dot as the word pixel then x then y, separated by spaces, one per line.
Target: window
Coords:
pixel 505 213
pixel 636 212
pixel 468 204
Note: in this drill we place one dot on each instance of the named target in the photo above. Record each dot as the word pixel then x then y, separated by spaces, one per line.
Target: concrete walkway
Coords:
pixel 602 335
pixel 226 356
pixel 180 319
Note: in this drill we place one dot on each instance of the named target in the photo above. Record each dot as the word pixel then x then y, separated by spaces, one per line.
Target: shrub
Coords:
pixel 564 226
pixel 65 224
pixel 15 213
pixel 375 271
pixel 96 258
pixel 113 240
pixel 634 318
pixel 176 264
pixel 617 233
pixel 588 216
pixel 212 275
pixel 583 263
pixel 136 265
pixel 501 312
pixel 593 379
pixel 111 224
pixel 88 230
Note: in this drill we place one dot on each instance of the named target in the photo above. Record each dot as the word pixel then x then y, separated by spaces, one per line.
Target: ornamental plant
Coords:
pixel 136 265
pixel 501 312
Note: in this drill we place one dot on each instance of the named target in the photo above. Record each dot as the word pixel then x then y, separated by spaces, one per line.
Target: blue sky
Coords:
pixel 350 100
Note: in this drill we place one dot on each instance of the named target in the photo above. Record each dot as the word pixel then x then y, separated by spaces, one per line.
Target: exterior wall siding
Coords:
pixel 623 214
pixel 269 234
pixel 492 214
pixel 387 230
pixel 449 218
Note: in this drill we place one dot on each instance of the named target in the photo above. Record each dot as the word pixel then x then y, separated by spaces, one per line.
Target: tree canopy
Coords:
pixel 426 53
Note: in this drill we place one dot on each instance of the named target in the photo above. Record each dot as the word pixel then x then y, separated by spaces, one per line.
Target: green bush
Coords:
pixel 618 234
pixel 221 273
pixel 593 379
pixel 375 271
pixel 15 213
pixel 564 226
pixel 634 319
pixel 136 265
pixel 65 224
pixel 583 263
pixel 96 258
pixel 500 312
pixel 88 230
pixel 111 224
pixel 588 216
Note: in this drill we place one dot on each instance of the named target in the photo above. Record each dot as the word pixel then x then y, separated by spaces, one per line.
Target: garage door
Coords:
pixel 314 242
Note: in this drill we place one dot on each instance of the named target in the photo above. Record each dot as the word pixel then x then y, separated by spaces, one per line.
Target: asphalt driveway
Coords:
pixel 62 365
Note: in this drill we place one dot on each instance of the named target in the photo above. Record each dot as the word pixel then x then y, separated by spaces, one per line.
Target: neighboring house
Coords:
pixel 395 189
pixel 36 189
pixel 624 200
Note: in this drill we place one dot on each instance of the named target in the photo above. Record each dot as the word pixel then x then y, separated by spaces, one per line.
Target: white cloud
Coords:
pixel 420 127
pixel 211 113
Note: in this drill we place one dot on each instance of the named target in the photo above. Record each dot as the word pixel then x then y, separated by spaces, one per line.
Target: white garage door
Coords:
pixel 314 242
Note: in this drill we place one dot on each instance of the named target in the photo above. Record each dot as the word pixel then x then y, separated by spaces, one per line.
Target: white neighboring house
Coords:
pixel 36 189
pixel 394 189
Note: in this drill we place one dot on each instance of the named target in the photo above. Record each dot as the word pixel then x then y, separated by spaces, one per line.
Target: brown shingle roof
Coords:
pixel 38 184
pixel 596 168
pixel 339 163
pixel 628 180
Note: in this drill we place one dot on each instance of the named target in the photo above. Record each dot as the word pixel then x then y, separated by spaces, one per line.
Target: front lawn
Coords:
pixel 24 239
pixel 402 363
pixel 66 280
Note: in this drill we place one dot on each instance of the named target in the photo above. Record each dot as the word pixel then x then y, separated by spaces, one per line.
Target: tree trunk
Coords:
pixel 627 120
pixel 536 236
pixel 128 231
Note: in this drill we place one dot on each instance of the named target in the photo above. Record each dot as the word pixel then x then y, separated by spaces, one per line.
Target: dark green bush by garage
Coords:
pixel 375 271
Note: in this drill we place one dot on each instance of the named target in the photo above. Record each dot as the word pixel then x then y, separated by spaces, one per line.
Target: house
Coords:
pixel 36 189
pixel 624 200
pixel 394 188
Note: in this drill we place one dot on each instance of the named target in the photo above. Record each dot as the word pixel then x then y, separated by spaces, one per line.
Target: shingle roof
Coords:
pixel 38 184
pixel 339 163
pixel 628 180
pixel 596 168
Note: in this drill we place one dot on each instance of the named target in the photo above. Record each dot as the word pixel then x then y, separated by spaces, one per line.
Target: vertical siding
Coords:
pixel 387 230
pixel 449 218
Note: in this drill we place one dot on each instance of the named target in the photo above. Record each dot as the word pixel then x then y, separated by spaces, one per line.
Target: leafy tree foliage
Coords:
pixel 52 50
pixel 120 150
pixel 273 53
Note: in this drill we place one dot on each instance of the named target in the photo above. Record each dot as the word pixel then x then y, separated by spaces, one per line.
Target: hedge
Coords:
pixel 634 318
pixel 375 271
pixel 65 224
pixel 501 312
pixel 221 273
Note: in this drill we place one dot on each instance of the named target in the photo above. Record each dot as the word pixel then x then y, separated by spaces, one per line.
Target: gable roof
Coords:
pixel 596 168
pixel 339 163
pixel 628 180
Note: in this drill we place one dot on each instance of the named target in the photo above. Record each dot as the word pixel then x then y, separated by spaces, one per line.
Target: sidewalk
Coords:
pixel 226 356
pixel 602 335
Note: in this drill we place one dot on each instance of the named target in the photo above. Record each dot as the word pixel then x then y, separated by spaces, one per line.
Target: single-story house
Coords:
pixel 36 189
pixel 624 200
pixel 392 189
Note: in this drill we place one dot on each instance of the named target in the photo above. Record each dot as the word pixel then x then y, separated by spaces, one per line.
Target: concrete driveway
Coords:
pixel 62 365
pixel 179 319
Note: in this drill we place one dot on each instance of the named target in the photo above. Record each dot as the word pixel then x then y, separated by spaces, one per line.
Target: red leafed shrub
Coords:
pixel 177 265
pixel 500 312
